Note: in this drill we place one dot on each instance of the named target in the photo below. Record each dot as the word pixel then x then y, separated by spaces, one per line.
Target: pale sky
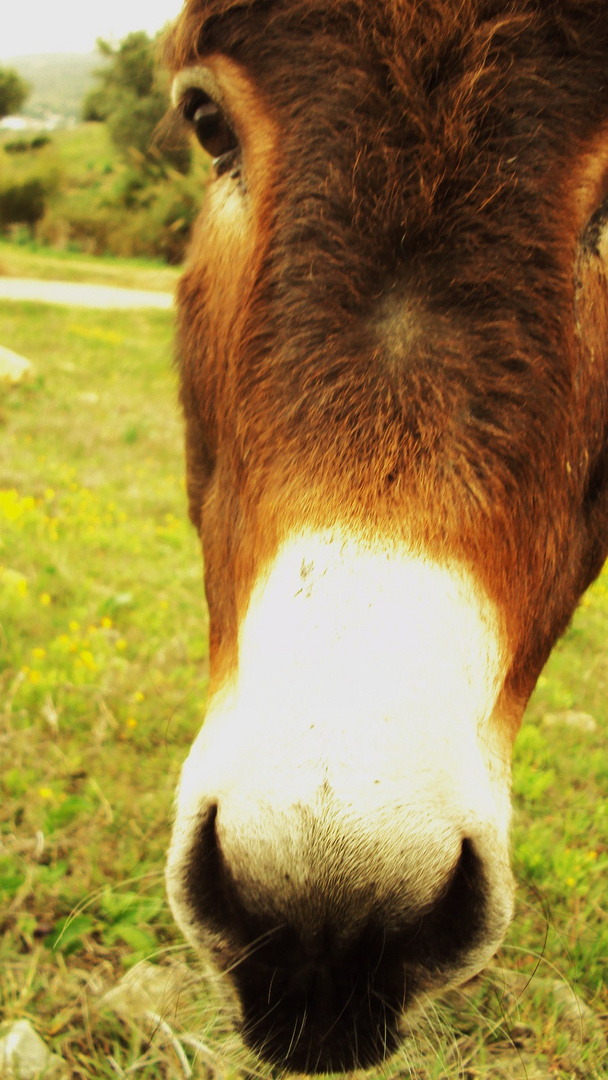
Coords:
pixel 48 26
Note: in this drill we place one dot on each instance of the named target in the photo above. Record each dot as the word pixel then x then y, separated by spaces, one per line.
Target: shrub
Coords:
pixel 23 203
pixel 22 146
pixel 91 231
pixel 17 146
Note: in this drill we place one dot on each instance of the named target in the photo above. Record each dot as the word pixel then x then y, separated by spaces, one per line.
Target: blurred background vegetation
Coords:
pixel 114 176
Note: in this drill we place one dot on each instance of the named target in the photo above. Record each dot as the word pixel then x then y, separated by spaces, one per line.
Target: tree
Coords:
pixel 132 101
pixel 13 91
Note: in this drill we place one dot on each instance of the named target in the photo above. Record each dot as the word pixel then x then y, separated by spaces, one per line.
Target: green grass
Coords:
pixel 82 157
pixel 33 261
pixel 103 677
pixel 103 646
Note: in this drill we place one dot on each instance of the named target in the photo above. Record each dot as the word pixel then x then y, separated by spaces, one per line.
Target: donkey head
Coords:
pixel 393 340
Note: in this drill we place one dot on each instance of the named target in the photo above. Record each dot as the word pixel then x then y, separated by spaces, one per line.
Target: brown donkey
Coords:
pixel 393 341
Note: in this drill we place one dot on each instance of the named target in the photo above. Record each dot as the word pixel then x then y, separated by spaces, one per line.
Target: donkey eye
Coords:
pixel 211 129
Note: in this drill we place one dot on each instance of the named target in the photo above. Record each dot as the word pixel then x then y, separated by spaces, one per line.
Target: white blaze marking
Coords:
pixel 352 752
pixel 373 669
pixel 366 659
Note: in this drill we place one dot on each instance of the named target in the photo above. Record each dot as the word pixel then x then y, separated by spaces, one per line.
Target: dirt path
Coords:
pixel 71 294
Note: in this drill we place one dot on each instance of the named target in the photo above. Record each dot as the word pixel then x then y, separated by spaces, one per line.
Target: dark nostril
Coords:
pixel 313 999
pixel 454 923
pixel 204 873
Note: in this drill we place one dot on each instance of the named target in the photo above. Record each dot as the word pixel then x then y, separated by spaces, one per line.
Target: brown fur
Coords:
pixel 405 338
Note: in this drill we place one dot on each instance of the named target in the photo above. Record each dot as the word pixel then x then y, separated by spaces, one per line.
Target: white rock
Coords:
pixel 13 368
pixel 146 989
pixel 23 1055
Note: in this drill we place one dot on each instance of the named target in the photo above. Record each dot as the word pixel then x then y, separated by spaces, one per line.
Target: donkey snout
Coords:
pixel 330 932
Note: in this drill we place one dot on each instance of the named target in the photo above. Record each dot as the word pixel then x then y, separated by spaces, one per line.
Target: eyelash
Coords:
pixel 212 129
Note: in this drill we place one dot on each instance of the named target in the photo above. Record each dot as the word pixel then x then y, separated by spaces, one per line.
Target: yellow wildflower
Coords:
pixel 131 722
pixel 12 506
pixel 45 599
pixel 106 622
pixel 39 654
pixel 12 579
pixel 45 793
pixel 74 626
pixel 138 696
pixel 96 333
pixel 121 644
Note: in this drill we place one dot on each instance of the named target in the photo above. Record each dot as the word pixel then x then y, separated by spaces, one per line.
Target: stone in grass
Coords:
pixel 575 1014
pixel 24 1056
pixel 580 721
pixel 148 990
pixel 14 368
pixel 153 995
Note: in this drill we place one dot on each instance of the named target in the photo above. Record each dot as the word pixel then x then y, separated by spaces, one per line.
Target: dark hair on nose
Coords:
pixel 313 1003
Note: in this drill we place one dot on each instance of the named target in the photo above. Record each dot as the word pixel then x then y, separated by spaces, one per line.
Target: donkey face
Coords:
pixel 393 341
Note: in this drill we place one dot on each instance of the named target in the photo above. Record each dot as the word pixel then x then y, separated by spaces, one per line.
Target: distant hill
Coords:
pixel 59 82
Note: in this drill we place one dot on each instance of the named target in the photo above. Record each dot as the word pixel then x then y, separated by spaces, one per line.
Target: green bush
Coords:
pixel 90 231
pixel 23 203
pixel 22 146
pixel 171 217
pixel 17 146
pixel 133 219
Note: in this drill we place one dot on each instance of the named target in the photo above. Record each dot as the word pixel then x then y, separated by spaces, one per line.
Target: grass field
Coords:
pixel 102 684
pixel 33 261
pixel 97 203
